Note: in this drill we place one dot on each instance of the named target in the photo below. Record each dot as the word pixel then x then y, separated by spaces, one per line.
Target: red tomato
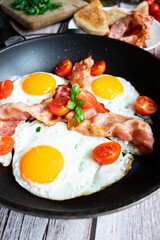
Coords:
pixel 6 88
pixel 88 97
pixel 153 8
pixel 150 1
pixel 64 68
pixel 6 144
pixel 98 68
pixel 145 105
pixel 157 15
pixel 58 106
pixel 107 153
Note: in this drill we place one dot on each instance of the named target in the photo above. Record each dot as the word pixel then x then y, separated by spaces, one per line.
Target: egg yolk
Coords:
pixel 41 164
pixel 39 84
pixel 107 87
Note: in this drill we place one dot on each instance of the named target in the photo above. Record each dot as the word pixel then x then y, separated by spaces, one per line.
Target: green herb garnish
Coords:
pixel 76 104
pixel 35 7
pixel 38 129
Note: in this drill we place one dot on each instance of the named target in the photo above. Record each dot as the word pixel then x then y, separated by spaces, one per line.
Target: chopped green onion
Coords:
pixel 38 129
pixel 35 7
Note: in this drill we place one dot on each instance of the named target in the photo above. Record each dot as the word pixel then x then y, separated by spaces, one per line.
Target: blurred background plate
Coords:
pixel 155 30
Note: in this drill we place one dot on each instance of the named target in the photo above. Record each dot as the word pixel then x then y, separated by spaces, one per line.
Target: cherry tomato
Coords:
pixel 88 97
pixel 98 68
pixel 153 8
pixel 157 15
pixel 6 88
pixel 107 153
pixel 6 144
pixel 64 68
pixel 58 106
pixel 150 1
pixel 145 105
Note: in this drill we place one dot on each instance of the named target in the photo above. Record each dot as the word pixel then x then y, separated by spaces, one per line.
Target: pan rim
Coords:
pixel 100 212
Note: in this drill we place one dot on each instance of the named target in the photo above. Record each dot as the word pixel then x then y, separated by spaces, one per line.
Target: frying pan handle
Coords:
pixel 8 35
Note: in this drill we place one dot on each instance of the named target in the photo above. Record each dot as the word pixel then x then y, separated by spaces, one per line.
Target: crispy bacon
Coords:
pixel 114 125
pixel 134 29
pixel 14 111
pixel 81 73
pixel 8 127
pixel 89 113
pixel 42 113
pixel 120 27
pixel 147 20
pixel 21 111
pixel 62 91
pixel 96 109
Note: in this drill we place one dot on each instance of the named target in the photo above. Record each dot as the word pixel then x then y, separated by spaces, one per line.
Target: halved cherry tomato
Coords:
pixel 107 153
pixel 6 144
pixel 153 8
pixel 64 68
pixel 58 106
pixel 145 105
pixel 150 1
pixel 98 68
pixel 157 15
pixel 6 88
pixel 90 99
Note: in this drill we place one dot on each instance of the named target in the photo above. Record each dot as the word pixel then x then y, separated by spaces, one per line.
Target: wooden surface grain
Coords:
pixel 50 17
pixel 138 222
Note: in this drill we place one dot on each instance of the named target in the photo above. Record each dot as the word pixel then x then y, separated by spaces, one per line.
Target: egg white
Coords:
pixel 80 174
pixel 6 159
pixel 123 104
pixel 18 94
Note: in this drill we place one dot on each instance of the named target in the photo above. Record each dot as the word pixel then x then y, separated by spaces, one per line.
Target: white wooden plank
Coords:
pixel 69 229
pixel 33 228
pixel 3 218
pixel 140 222
pixel 16 225
pixel 13 226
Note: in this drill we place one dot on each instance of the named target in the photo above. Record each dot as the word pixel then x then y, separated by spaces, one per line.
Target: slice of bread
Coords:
pixel 114 15
pixel 142 8
pixel 92 19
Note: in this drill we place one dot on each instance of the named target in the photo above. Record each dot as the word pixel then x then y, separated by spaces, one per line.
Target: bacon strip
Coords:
pixel 98 108
pixel 114 125
pixel 21 111
pixel 62 91
pixel 134 29
pixel 8 127
pixel 81 73
pixel 12 113
pixel 42 113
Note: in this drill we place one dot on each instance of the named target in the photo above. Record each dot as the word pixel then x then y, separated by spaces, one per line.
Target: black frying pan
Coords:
pixel 132 63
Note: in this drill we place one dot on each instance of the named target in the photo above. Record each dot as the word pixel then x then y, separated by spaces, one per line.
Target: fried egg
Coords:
pixel 33 88
pixel 6 159
pixel 116 93
pixel 57 164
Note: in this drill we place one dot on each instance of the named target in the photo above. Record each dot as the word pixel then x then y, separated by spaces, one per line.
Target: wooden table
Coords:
pixel 138 222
